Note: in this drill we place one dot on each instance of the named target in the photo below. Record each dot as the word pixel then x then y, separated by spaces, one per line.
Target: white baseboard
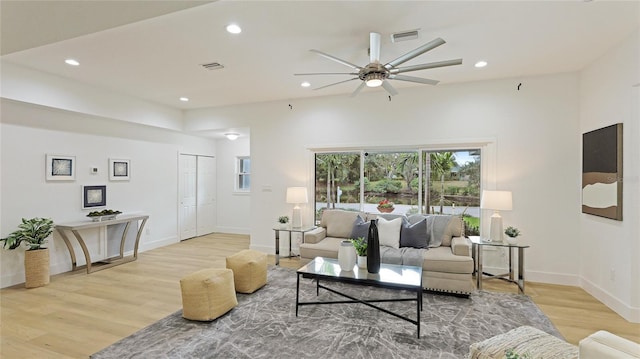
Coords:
pixel 542 277
pixel 233 230
pixel 627 312
pixel 147 246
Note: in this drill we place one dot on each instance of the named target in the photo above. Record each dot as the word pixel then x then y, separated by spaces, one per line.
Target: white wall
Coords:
pixel 533 131
pixel 36 87
pixel 610 250
pixel 29 132
pixel 233 207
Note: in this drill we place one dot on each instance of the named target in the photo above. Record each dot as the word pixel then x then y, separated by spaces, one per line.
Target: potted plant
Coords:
pixel 284 221
pixel 512 234
pixel 385 206
pixel 33 233
pixel 360 244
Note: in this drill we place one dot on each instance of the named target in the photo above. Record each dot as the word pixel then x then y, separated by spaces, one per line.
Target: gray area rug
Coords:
pixel 264 325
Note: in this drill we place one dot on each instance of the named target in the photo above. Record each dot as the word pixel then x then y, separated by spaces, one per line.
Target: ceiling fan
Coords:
pixel 376 74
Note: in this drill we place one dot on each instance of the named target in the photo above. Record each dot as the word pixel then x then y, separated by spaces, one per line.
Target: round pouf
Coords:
pixel 207 294
pixel 249 270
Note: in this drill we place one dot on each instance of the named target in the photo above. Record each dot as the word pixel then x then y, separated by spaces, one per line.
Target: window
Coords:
pixel 415 181
pixel 453 185
pixel 337 181
pixel 243 174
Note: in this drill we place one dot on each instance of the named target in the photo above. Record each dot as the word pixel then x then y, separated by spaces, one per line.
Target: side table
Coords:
pixel 478 243
pixel 290 230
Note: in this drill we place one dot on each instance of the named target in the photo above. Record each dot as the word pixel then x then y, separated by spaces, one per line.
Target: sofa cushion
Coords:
pixel 414 235
pixel 443 228
pixel 360 228
pixel 441 259
pixel 338 223
pixel 405 256
pixel 389 232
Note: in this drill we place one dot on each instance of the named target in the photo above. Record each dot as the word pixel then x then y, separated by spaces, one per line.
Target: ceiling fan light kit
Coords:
pixel 374 74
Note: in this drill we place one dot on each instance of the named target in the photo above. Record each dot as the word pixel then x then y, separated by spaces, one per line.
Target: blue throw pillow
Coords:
pixel 360 228
pixel 414 235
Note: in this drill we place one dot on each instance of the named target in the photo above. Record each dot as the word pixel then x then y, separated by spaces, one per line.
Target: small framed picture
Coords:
pixel 60 168
pixel 119 170
pixel 94 196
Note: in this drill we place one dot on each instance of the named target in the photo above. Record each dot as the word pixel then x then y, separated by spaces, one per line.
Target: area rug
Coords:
pixel 264 325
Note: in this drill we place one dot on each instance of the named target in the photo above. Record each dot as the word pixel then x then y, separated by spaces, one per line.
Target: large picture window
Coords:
pixel 414 181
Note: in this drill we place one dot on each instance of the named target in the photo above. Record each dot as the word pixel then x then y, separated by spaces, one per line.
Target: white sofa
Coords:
pixel 447 266
pixel 604 345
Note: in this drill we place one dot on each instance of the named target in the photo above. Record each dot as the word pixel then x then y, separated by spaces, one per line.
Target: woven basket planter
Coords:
pixel 36 268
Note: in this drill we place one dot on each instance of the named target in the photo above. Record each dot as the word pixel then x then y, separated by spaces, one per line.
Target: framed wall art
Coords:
pixel 602 172
pixel 119 170
pixel 60 168
pixel 94 196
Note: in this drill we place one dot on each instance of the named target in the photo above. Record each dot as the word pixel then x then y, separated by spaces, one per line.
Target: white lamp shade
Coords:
pixel 297 195
pixel 496 200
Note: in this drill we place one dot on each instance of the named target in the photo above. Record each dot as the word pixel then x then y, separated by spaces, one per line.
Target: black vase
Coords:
pixel 373 248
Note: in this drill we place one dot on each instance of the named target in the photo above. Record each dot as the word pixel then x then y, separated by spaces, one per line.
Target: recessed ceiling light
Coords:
pixel 72 62
pixel 234 29
pixel 184 99
pixel 480 64
pixel 305 84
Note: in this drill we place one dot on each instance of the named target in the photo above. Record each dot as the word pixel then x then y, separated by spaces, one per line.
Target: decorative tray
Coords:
pixel 104 215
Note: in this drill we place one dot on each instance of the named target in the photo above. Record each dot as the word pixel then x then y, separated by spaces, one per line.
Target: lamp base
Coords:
pixel 296 218
pixel 496 233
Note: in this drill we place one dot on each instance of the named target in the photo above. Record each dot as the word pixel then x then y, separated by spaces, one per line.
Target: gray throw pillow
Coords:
pixel 360 228
pixel 414 235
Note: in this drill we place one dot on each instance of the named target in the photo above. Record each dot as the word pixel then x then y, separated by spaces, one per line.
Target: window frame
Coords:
pixel 239 174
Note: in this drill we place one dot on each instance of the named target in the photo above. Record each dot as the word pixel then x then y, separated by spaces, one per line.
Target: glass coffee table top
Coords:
pixel 390 275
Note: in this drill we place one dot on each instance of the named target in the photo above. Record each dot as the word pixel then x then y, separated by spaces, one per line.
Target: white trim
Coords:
pixel 629 313
pixel 233 230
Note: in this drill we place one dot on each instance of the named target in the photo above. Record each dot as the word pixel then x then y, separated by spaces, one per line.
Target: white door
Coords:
pixel 187 194
pixel 206 189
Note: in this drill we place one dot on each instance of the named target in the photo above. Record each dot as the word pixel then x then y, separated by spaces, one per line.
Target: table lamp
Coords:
pixel 497 201
pixel 296 196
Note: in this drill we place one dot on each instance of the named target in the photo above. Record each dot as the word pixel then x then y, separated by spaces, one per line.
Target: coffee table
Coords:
pixel 391 276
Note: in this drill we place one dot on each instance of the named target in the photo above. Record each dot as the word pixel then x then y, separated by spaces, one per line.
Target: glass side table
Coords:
pixel 290 230
pixel 478 243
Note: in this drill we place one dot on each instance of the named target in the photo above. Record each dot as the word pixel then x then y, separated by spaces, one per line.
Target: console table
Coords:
pixel 76 227
pixel 478 243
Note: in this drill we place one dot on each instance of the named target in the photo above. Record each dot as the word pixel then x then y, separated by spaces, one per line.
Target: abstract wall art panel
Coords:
pixel 602 172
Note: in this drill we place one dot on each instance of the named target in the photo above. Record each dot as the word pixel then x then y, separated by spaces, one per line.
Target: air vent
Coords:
pixel 213 66
pixel 404 36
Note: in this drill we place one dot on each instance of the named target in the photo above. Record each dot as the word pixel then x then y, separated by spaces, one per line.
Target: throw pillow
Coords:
pixel 389 232
pixel 360 228
pixel 414 235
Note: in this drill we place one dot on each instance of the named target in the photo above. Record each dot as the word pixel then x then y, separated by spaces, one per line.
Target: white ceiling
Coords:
pixel 158 58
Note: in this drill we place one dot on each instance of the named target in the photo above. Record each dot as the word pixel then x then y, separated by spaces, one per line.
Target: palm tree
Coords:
pixel 441 164
pixel 408 166
pixel 337 167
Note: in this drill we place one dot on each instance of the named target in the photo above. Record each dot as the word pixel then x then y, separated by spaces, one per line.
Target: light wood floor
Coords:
pixel 77 314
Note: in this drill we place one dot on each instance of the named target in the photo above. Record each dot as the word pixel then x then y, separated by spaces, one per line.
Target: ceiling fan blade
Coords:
pixel 340 61
pixel 413 79
pixel 387 86
pixel 354 93
pixel 336 83
pixel 431 65
pixel 327 73
pixel 374 48
pixel 417 52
